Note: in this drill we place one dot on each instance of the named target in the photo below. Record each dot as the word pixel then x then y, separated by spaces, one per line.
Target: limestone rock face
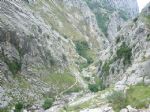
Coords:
pixel 112 14
pixel 129 6
pixel 127 61
pixel 30 49
pixel 94 35
pixel 115 24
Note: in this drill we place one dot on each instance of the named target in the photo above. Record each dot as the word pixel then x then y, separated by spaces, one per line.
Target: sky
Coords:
pixel 142 3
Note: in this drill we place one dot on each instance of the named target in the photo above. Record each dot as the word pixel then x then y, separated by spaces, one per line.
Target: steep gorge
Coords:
pixel 52 48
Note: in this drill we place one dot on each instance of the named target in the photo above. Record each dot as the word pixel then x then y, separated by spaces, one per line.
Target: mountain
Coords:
pixel 60 49
pixel 128 58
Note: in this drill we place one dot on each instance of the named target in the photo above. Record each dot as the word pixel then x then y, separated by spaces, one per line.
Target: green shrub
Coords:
pixel 148 37
pixel 106 67
pixel 18 107
pixel 124 52
pixel 118 40
pixel 65 36
pixel 48 103
pixel 93 87
pixel 118 100
pixel 87 79
pixel 13 65
pixel 97 86
pixel 82 47
pixel 135 19
pixel 83 50
pixel 89 60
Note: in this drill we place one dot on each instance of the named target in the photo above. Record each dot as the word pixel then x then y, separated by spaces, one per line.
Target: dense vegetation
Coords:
pixel 48 103
pixel 106 67
pixel 18 107
pixel 124 52
pixel 83 50
pixel 97 86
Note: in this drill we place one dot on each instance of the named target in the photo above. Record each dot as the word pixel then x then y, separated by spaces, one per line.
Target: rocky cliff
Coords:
pixel 49 48
pixel 127 59
pixel 111 14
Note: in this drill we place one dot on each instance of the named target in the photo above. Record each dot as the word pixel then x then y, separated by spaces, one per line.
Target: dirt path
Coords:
pixel 60 103
pixel 82 99
pixel 80 79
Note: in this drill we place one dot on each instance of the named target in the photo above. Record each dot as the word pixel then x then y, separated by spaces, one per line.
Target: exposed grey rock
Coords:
pixel 124 110
pixel 129 6
pixel 137 71
pixel 114 26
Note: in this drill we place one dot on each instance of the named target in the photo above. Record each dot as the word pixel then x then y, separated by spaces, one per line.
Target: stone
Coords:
pixel 130 109
pixel 124 110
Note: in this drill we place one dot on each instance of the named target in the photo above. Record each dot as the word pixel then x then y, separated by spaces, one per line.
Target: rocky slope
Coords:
pixel 46 48
pixel 111 14
pixel 128 58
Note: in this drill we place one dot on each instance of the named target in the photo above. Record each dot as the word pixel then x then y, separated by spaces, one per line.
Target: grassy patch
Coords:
pixel 60 17
pixel 4 110
pixel 93 102
pixel 118 100
pixel 147 19
pixel 83 65
pixel 77 108
pixel 22 82
pixel 75 89
pixel 137 96
pixel 60 80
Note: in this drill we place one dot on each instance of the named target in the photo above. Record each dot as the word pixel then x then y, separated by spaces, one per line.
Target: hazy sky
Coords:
pixel 142 3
